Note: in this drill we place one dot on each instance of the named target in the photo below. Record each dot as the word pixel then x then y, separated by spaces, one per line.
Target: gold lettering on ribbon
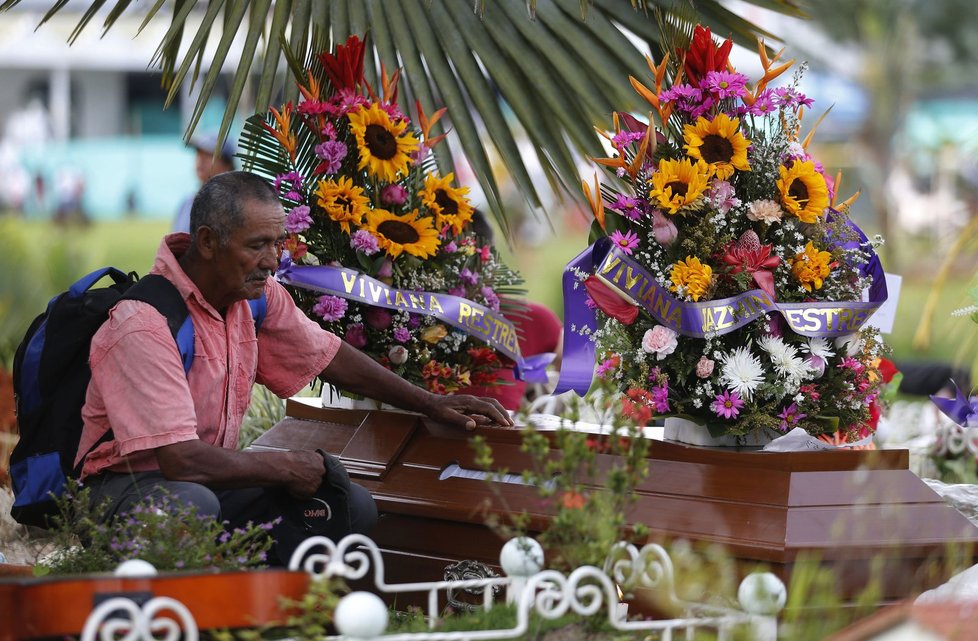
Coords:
pixel 434 305
pixel 349 280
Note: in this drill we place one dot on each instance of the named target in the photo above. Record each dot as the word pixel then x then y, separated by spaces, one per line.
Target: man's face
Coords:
pixel 251 255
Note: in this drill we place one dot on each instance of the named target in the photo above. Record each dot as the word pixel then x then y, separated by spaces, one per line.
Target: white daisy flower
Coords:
pixel 786 361
pixel 742 372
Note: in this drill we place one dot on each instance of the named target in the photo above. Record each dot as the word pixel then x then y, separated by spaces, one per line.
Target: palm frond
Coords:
pixel 510 70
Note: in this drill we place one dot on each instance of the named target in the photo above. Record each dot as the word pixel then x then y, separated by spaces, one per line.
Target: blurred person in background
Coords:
pixel 206 166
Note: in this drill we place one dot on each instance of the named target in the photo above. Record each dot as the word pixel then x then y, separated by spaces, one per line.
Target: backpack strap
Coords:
pixel 164 296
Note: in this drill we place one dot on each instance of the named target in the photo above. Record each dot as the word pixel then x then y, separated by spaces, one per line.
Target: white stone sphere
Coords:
pixel 521 556
pixel 762 593
pixel 135 568
pixel 361 615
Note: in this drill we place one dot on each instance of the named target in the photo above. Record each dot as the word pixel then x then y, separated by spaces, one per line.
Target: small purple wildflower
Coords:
pixel 365 242
pixel 330 308
pixel 683 97
pixel 608 365
pixel 492 300
pixel 298 220
pixel 724 84
pixel 790 416
pixel 660 398
pixel 288 183
pixel 727 404
pixel 788 96
pixel 624 138
pixel 402 335
pixel 626 242
pixel 468 277
pixel 450 247
pixel 631 208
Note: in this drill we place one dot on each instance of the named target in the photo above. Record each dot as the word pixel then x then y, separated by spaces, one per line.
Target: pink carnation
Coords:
pixel 660 340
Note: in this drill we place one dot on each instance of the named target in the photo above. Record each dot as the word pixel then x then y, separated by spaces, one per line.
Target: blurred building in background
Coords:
pixel 82 127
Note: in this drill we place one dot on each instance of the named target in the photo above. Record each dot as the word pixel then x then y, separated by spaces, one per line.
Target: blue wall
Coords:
pixel 157 170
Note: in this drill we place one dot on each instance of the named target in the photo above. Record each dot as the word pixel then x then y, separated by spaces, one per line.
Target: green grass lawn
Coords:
pixel 39 259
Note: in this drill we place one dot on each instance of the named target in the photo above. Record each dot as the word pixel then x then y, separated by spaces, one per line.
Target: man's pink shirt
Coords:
pixel 139 387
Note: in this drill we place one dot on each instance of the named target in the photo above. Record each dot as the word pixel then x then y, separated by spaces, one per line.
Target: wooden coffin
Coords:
pixel 843 507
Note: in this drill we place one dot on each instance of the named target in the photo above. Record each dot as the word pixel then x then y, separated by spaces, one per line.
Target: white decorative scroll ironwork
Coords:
pixel 122 619
pixel 587 591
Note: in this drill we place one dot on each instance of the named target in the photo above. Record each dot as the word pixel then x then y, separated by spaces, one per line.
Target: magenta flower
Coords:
pixel 790 416
pixel 393 195
pixel 330 308
pixel 492 300
pixel 724 84
pixel 625 138
pixel 631 208
pixel 683 97
pixel 608 365
pixel 356 336
pixel 363 241
pixel 723 196
pixel 332 152
pixel 660 398
pixel 298 220
pixel 468 276
pixel 627 241
pixel 663 230
pixel 727 405
pixel 787 97
pixel 457 290
pixel 402 335
pixel 450 247
pixel 288 183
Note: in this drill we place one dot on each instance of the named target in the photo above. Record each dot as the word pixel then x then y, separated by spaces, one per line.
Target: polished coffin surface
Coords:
pixel 844 507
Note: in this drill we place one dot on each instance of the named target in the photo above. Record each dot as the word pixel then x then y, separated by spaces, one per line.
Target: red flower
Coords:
pixel 887 369
pixel 746 254
pixel 703 55
pixel 609 302
pixel 345 69
pixel 573 500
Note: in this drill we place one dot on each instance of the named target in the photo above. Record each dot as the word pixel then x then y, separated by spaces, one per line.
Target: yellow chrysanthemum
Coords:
pixel 385 149
pixel 679 183
pixel 342 201
pixel 804 193
pixel 718 143
pixel 449 204
pixel 693 276
pixel 811 267
pixel 398 234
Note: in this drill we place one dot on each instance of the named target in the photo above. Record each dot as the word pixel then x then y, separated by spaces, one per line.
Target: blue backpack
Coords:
pixel 51 376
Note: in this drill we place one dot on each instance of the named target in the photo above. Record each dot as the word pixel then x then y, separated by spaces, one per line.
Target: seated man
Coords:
pixel 176 433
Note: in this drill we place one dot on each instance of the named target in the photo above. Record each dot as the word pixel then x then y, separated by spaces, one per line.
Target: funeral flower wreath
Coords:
pixel 380 246
pixel 725 282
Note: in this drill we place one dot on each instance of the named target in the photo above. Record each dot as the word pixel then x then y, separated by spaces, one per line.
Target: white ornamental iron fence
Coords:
pixel 587 591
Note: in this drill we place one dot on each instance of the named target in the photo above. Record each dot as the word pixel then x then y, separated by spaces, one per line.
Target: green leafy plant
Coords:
pixel 586 481
pixel 166 533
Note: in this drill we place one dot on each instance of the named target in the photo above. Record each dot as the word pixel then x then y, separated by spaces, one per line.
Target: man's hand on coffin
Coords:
pixel 467 411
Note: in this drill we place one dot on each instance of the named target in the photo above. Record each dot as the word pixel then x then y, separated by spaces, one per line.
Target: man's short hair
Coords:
pixel 219 203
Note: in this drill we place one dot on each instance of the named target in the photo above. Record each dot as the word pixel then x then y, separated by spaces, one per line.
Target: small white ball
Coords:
pixel 762 593
pixel 361 615
pixel 135 568
pixel 521 556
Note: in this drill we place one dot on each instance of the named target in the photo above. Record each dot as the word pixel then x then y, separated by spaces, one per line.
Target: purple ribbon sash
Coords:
pixel 716 317
pixel 474 319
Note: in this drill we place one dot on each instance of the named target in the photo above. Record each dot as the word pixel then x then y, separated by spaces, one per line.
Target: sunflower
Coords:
pixel 718 143
pixel 449 204
pixel 678 183
pixel 342 201
pixel 409 233
pixel 385 149
pixel 804 193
